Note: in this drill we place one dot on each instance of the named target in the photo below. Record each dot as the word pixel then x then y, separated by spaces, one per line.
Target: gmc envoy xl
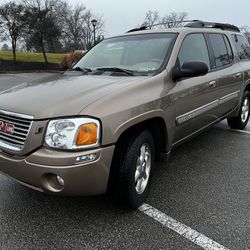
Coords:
pixel 101 126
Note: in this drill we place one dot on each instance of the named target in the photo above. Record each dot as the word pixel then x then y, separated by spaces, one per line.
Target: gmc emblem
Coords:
pixel 6 128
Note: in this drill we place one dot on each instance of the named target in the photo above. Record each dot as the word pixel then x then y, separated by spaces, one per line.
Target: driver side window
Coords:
pixel 194 48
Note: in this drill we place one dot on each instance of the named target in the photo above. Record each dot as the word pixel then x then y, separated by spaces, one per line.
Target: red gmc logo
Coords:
pixel 6 128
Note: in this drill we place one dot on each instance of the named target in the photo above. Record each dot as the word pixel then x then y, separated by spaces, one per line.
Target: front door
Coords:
pixel 195 99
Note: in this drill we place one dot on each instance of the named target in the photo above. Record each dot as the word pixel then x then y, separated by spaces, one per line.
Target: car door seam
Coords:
pixel 201 110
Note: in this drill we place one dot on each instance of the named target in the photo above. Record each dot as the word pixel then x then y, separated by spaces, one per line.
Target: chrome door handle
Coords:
pixel 212 84
pixel 238 75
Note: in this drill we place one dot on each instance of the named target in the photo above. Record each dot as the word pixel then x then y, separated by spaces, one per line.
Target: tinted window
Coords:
pixel 222 56
pixel 229 49
pixel 194 48
pixel 241 46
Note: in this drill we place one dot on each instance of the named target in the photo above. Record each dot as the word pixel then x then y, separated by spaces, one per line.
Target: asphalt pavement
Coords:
pixel 10 80
pixel 205 189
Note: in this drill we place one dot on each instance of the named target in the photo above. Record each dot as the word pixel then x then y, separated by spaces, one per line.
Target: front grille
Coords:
pixel 17 140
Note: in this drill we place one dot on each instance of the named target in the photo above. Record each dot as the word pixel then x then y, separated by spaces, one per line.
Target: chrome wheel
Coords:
pixel 245 110
pixel 143 169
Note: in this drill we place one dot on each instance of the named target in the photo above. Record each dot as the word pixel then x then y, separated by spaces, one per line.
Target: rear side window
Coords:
pixel 194 48
pixel 222 51
pixel 229 49
pixel 242 47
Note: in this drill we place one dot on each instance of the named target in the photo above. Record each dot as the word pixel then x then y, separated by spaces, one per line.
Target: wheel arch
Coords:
pixel 247 88
pixel 156 126
pixel 236 111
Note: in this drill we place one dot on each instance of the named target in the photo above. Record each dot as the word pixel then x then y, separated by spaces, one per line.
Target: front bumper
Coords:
pixel 39 171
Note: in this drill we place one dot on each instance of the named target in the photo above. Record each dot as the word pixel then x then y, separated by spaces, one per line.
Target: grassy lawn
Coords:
pixel 32 57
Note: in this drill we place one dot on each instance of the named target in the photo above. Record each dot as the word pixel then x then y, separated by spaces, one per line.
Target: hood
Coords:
pixel 61 95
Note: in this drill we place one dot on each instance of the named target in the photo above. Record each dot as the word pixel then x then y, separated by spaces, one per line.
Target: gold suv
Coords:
pixel 102 125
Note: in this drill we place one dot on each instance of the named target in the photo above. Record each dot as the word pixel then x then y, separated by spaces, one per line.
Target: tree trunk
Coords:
pixel 14 50
pixel 43 49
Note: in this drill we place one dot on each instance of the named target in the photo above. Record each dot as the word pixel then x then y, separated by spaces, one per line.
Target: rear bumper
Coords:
pixel 39 171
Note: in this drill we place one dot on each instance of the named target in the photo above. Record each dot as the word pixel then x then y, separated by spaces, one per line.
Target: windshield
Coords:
pixel 140 54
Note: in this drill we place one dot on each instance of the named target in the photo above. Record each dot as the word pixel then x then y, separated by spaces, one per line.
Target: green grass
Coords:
pixel 32 57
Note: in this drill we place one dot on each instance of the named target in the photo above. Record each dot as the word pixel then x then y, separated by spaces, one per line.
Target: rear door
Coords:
pixel 230 76
pixel 195 99
pixel 243 47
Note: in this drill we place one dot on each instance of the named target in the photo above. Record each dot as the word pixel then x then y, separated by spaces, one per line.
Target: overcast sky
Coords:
pixel 123 15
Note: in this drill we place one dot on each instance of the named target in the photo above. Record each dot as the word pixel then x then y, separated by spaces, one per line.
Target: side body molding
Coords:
pixel 203 109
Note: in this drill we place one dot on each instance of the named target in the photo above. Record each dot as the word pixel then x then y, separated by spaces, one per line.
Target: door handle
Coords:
pixel 212 84
pixel 238 75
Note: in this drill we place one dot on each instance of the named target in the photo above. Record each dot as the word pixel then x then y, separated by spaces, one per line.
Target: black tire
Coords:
pixel 123 184
pixel 239 122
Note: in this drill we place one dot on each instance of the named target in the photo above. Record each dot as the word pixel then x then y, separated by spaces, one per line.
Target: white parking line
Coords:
pixel 234 130
pixel 183 230
pixel 240 131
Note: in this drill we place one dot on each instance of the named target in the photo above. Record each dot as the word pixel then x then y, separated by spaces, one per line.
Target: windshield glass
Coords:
pixel 140 54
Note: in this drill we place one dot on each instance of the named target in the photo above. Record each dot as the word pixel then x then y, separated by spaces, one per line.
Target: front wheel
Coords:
pixel 134 164
pixel 240 122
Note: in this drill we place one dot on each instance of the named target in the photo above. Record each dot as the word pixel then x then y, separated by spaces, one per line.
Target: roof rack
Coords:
pixel 138 29
pixel 148 27
pixel 201 24
pixel 192 24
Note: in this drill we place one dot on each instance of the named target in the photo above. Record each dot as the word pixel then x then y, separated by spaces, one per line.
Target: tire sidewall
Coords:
pixel 246 95
pixel 133 153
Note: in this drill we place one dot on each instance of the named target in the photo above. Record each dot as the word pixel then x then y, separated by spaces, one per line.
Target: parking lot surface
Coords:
pixel 204 188
pixel 10 80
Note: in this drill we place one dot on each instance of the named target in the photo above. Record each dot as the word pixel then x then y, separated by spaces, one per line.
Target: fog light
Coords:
pixel 60 180
pixel 85 158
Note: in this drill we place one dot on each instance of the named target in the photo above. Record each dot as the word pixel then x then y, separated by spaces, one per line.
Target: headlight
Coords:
pixel 75 133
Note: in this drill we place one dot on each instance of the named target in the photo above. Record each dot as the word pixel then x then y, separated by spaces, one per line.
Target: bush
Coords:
pixel 71 59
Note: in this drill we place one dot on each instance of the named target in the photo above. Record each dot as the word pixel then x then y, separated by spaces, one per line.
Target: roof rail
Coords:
pixel 192 24
pixel 148 27
pixel 223 26
pixel 138 29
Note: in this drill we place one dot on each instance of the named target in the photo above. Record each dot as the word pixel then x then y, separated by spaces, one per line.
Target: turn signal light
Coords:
pixel 87 135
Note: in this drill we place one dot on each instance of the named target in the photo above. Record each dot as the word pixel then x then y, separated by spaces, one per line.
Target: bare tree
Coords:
pixel 42 23
pixel 11 23
pixel 5 47
pixel 78 30
pixel 246 31
pixel 88 34
pixel 174 20
pixel 49 26
pixel 73 26
pixel 152 18
pixel 171 20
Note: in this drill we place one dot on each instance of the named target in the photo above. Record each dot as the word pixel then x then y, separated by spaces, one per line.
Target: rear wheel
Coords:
pixel 134 164
pixel 242 119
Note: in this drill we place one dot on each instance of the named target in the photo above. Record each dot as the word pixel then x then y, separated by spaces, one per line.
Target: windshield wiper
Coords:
pixel 85 70
pixel 116 69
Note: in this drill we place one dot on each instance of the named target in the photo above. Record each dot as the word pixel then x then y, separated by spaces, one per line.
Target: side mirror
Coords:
pixel 190 69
